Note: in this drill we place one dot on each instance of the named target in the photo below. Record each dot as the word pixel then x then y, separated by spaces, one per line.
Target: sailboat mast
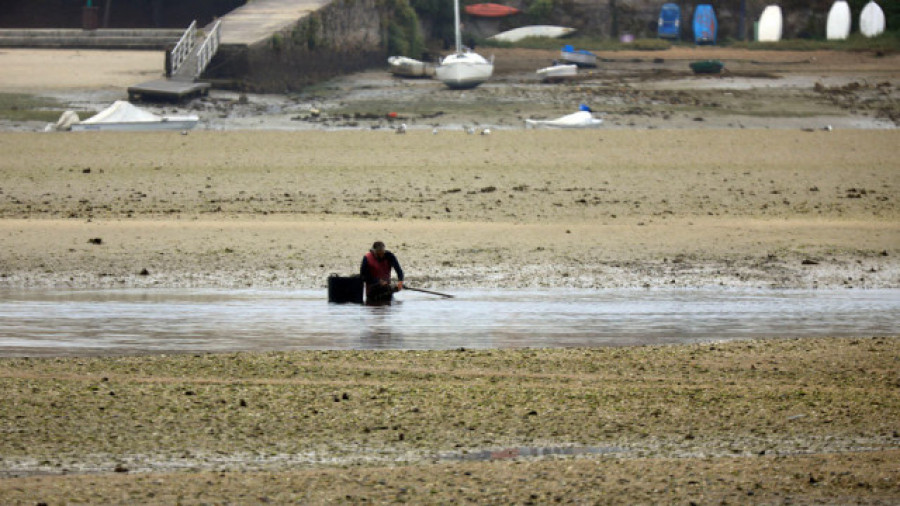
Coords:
pixel 456 25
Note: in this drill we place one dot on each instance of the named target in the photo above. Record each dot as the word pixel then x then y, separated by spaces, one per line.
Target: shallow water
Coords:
pixel 115 322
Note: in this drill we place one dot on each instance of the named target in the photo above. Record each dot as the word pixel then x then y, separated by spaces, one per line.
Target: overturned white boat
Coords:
pixel 122 115
pixel 409 67
pixel 463 69
pixel 584 118
pixel 524 32
pixel 558 72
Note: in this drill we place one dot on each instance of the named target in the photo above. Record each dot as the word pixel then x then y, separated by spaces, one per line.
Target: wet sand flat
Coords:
pixel 771 421
pixel 675 193
pixel 514 209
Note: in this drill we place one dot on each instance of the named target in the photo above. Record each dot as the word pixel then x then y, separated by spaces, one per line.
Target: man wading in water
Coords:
pixel 376 273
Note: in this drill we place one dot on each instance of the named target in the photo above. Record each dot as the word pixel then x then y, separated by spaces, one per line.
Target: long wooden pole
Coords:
pixel 427 291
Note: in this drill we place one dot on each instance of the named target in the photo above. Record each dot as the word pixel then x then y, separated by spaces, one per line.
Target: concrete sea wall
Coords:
pixel 342 37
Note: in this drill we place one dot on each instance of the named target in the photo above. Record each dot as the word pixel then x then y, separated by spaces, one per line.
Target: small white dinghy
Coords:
pixel 770 25
pixel 409 67
pixel 123 115
pixel 839 20
pixel 871 20
pixel 558 72
pixel 584 118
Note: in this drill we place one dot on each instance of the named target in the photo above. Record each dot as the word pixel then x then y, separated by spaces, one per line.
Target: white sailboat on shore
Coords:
pixel 463 69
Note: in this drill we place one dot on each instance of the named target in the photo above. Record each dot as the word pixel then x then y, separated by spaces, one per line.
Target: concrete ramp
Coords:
pixel 258 20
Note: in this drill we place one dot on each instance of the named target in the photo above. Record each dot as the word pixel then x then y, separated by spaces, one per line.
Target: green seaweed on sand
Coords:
pixel 25 107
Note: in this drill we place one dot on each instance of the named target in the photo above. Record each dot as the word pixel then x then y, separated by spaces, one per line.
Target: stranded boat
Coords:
pixel 558 72
pixel 524 32
pixel 584 118
pixel 409 67
pixel 580 57
pixel 463 69
pixel 491 10
pixel 122 115
pixel 707 66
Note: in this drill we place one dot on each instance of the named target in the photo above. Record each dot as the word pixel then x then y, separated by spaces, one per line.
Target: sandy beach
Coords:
pixel 780 174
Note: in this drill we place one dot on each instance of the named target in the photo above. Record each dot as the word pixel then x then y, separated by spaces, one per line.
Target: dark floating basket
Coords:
pixel 345 289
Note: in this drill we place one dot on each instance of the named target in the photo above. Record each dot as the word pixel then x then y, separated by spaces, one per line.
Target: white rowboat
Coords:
pixel 558 72
pixel 409 67
pixel 123 116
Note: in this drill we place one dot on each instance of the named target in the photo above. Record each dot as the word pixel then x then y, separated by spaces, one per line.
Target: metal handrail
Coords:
pixel 183 48
pixel 209 47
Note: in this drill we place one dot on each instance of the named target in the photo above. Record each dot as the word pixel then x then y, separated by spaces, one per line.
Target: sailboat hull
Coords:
pixel 463 69
pixel 464 74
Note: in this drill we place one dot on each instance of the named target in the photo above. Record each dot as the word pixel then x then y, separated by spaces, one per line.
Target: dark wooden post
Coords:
pixel 90 19
pixel 614 20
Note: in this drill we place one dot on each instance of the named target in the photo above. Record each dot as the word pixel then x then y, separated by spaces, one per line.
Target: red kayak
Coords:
pixel 490 10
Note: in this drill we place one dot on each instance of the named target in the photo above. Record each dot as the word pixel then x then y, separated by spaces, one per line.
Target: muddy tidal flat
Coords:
pixel 781 174
pixel 798 421
pixel 587 209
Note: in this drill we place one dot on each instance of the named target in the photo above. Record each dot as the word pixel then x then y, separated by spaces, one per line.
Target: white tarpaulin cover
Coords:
pixel 122 115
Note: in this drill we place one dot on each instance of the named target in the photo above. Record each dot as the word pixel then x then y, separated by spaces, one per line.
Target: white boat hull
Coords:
pixel 871 20
pixel 409 67
pixel 770 24
pixel 580 119
pixel 580 59
pixel 517 34
pixel 839 19
pixel 173 123
pixel 558 72
pixel 122 115
pixel 463 71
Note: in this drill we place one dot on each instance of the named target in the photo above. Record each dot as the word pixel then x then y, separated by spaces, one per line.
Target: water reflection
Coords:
pixel 66 322
pixel 379 333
